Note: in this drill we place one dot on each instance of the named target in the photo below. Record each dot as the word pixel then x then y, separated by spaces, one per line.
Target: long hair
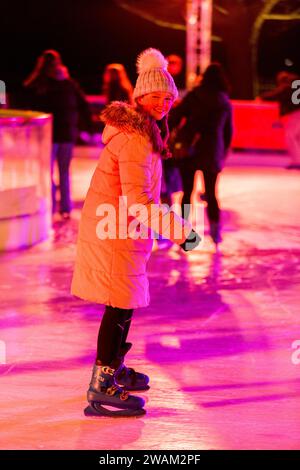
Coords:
pixel 214 78
pixel 44 66
pixel 116 84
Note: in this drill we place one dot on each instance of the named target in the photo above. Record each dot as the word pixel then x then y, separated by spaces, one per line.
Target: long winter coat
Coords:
pixel 208 113
pixel 113 271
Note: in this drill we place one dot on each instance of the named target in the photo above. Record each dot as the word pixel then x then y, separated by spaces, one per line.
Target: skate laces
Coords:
pixel 107 370
pixel 114 389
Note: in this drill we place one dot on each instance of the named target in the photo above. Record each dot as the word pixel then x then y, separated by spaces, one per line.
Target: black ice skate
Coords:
pixel 106 398
pixel 127 377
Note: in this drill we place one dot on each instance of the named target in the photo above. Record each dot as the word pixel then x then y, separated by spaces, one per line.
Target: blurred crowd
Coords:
pixel 200 125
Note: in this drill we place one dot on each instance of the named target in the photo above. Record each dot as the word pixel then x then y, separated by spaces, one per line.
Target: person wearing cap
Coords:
pixel 110 267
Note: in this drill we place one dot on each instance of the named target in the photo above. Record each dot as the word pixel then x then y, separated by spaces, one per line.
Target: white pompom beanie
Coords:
pixel 153 74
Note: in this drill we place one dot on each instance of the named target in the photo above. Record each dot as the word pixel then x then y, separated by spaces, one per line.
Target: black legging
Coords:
pixel 113 333
pixel 210 179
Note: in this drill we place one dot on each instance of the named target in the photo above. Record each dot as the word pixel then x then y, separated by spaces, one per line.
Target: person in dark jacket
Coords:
pixel 289 113
pixel 207 115
pixel 50 89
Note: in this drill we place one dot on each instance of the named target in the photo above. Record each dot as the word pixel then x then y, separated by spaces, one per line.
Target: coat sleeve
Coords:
pixel 135 167
pixel 274 95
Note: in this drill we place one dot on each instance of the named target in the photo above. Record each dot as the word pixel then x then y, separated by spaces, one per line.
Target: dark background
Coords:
pixel 88 34
pixel 92 33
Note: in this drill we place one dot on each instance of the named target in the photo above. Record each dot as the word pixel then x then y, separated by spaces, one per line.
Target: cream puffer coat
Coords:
pixel 112 271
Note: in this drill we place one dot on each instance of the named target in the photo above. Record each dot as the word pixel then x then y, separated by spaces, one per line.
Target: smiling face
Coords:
pixel 156 104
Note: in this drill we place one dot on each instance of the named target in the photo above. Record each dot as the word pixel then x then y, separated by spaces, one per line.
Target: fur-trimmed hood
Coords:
pixel 129 119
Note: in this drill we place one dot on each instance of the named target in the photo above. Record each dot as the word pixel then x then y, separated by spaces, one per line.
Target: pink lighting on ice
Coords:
pixel 218 340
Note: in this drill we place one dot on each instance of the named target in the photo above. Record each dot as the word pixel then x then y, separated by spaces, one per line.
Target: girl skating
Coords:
pixel 112 270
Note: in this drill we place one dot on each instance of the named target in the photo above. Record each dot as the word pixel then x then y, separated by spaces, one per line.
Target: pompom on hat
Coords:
pixel 153 75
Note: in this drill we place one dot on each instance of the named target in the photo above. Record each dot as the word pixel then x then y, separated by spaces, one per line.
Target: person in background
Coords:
pixel 176 69
pixel 171 176
pixel 50 89
pixel 289 112
pixel 207 115
pixel 116 85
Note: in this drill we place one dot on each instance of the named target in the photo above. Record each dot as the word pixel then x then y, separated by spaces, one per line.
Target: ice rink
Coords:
pixel 218 340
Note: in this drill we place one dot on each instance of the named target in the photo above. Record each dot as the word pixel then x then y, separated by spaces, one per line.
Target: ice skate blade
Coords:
pixel 90 411
pixel 135 389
